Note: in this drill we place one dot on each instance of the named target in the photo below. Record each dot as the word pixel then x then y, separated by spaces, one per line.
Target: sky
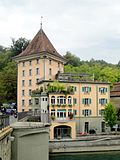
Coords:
pixel 87 28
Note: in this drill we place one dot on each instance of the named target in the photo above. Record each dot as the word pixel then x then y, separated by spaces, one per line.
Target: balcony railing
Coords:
pixel 4 121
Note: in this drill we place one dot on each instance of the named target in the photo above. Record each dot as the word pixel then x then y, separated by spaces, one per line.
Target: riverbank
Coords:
pixel 85 144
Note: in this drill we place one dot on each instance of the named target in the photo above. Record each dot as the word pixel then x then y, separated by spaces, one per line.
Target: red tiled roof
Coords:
pixel 115 92
pixel 40 43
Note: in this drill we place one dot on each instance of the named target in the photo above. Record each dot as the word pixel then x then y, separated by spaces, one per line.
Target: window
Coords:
pixel 46 99
pixel 86 89
pixel 86 101
pixel 30 82
pixel 53 100
pixel 23 83
pixel 30 92
pixel 23 64
pixel 69 112
pixel 103 90
pixel 36 101
pixel 30 102
pixel 23 110
pixel 103 101
pixel 86 112
pixel 37 71
pixel 30 72
pixel 37 80
pixel 30 62
pixel 69 100
pixel 23 73
pixel 74 101
pixel 53 112
pixel 61 113
pixel 50 61
pixel 75 88
pixel 59 65
pixel 61 100
pixel 101 112
pixel 37 61
pixel 74 112
pixel 23 92
pixel 50 71
pixel 23 102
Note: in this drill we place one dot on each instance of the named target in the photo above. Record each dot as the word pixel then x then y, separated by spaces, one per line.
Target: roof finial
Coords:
pixel 41 22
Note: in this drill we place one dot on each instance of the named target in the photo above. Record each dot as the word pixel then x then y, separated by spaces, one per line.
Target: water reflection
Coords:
pixel 88 156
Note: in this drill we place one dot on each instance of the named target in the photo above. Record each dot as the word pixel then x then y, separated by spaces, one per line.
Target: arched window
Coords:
pixel 53 100
pixel 69 100
pixel 61 100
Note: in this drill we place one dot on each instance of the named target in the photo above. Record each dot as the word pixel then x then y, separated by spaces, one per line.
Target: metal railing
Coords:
pixel 4 121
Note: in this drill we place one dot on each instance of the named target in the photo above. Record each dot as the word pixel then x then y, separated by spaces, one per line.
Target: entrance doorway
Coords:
pixel 62 132
pixel 86 127
pixel 103 126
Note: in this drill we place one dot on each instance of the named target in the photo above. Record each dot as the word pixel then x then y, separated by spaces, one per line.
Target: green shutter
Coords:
pixel 83 101
pixel 106 89
pixel 99 89
pixel 106 100
pixel 90 101
pixel 89 89
pixel 75 101
pixel 83 111
pixel 83 89
pixel 100 111
pixel 90 111
pixel 99 101
pixel 75 112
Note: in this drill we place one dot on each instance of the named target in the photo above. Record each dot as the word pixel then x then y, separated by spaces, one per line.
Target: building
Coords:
pixel 78 106
pixel 39 60
pixel 72 103
pixel 115 95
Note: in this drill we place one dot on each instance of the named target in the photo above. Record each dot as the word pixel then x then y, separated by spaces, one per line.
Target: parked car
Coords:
pixel 92 131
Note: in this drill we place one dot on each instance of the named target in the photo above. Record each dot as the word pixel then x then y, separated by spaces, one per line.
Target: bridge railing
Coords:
pixel 4 121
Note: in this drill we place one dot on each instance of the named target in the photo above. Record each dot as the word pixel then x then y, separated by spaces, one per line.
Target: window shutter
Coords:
pixel 83 101
pixel 83 112
pixel 75 112
pixel 99 89
pixel 106 100
pixel 90 112
pixel 99 101
pixel 90 101
pixel 100 111
pixel 83 89
pixel 106 89
pixel 89 89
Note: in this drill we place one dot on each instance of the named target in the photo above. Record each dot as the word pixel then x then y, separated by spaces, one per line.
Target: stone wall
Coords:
pixel 5 144
pixel 31 141
pixel 86 144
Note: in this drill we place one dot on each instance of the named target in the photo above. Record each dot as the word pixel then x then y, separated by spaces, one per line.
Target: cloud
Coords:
pixel 88 28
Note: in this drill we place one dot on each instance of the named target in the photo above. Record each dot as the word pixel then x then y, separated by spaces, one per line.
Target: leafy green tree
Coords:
pixel 8 83
pixel 110 115
pixel 72 59
pixel 19 45
pixel 2 49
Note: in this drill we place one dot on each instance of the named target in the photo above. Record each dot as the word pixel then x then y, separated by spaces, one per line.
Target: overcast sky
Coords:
pixel 87 28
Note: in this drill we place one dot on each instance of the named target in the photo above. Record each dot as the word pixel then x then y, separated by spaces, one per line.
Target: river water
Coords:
pixel 88 156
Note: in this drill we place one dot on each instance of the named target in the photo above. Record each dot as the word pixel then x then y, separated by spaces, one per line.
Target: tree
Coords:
pixel 72 59
pixel 110 115
pixel 19 45
pixel 8 83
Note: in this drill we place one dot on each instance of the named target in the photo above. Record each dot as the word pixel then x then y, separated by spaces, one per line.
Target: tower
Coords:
pixel 39 61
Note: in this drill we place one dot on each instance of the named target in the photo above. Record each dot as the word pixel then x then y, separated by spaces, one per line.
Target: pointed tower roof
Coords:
pixel 40 44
